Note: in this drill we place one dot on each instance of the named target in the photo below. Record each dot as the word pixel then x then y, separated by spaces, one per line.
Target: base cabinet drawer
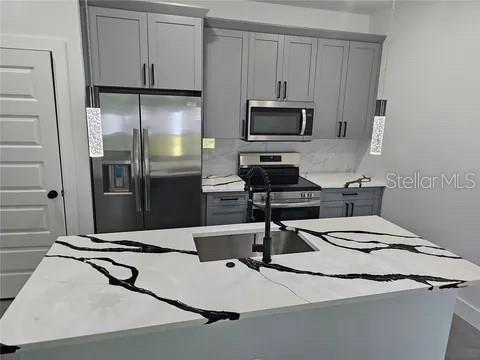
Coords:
pixel 225 208
pixel 350 202
pixel 220 215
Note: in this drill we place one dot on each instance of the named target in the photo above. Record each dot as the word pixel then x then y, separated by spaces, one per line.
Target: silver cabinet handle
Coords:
pixel 287 205
pixel 304 122
pixel 135 161
pixel 146 169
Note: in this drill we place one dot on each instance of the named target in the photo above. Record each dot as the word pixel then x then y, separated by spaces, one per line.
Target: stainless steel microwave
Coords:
pixel 279 121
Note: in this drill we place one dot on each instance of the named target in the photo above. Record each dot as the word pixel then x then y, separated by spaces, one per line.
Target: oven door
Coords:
pixel 279 121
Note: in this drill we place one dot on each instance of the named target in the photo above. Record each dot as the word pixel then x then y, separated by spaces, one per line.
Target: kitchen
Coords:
pixel 235 94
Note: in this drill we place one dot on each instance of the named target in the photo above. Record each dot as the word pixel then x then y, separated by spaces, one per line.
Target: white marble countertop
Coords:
pixel 228 183
pixel 121 284
pixel 338 180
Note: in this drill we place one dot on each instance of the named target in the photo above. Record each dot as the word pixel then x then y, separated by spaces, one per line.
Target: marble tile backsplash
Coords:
pixel 317 155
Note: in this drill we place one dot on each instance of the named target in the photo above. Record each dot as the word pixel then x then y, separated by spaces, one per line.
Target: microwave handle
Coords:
pixel 304 122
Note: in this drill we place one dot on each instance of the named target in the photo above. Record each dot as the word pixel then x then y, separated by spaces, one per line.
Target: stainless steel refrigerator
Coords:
pixel 150 174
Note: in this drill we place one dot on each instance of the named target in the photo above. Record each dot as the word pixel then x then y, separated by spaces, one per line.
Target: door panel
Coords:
pixel 175 52
pixel 29 165
pixel 119 47
pixel 361 88
pixel 299 67
pixel 225 91
pixel 265 66
pixel 117 175
pixel 364 208
pixel 330 79
pixel 333 209
pixel 171 144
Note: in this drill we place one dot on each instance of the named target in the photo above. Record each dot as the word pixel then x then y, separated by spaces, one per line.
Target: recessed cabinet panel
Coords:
pixel 118 47
pixel 299 68
pixel 265 66
pixel 361 88
pixel 175 52
pixel 225 90
pixel 330 79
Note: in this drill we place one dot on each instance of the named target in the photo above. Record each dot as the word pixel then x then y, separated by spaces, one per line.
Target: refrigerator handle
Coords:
pixel 135 161
pixel 146 169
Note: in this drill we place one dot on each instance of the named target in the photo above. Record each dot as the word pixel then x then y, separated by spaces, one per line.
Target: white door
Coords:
pixel 30 221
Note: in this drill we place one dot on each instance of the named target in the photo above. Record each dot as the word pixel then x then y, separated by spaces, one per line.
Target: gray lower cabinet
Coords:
pixel 175 52
pixel 119 47
pixel 351 202
pixel 345 88
pixel 225 82
pixel 225 208
pixel 137 49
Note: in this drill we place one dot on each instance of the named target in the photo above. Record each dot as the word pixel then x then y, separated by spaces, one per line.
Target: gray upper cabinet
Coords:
pixel 331 73
pixel 345 88
pixel 281 67
pixel 361 89
pixel 136 49
pixel 225 82
pixel 265 66
pixel 299 68
pixel 119 47
pixel 175 52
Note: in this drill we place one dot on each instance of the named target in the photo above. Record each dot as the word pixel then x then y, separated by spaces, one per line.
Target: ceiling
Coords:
pixel 353 6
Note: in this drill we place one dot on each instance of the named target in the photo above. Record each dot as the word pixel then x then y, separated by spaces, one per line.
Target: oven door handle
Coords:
pixel 287 205
pixel 304 122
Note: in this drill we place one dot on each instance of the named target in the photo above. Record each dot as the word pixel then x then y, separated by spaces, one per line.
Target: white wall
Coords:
pixel 283 14
pixel 433 124
pixel 60 19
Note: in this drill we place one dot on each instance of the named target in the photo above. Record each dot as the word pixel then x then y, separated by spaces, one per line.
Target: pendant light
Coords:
pixel 94 116
pixel 381 104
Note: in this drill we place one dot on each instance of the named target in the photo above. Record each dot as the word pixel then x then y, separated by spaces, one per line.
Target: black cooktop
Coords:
pixel 302 185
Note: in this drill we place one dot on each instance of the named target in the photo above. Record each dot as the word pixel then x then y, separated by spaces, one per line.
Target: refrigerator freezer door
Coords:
pixel 118 175
pixel 171 143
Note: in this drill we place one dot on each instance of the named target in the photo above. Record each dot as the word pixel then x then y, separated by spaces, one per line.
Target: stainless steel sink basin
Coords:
pixel 234 246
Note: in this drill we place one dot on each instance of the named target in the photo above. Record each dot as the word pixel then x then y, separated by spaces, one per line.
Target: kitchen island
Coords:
pixel 370 290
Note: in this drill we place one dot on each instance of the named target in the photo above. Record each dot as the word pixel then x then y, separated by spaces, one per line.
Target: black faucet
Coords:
pixel 359 181
pixel 266 248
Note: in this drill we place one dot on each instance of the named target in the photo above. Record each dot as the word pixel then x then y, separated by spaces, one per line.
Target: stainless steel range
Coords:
pixel 293 197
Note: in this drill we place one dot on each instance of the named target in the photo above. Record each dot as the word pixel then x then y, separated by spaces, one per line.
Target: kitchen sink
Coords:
pixel 235 246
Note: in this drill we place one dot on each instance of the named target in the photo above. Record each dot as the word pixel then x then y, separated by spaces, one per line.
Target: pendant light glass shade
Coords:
pixel 378 127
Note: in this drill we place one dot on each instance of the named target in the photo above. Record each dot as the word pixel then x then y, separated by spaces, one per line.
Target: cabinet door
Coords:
pixel 331 73
pixel 363 208
pixel 361 89
pixel 118 47
pixel 333 209
pixel 175 52
pixel 265 66
pixel 300 55
pixel 225 89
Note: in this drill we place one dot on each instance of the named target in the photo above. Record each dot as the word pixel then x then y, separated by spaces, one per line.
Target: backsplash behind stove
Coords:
pixel 317 155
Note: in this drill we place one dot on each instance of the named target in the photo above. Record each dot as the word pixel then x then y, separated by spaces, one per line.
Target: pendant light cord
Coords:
pixel 90 74
pixel 389 39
